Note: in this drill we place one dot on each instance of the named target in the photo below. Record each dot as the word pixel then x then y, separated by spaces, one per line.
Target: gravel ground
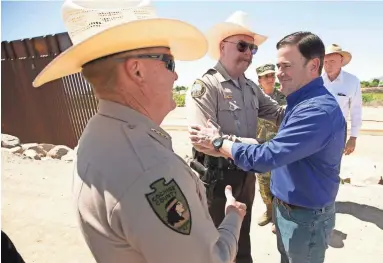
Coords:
pixel 37 209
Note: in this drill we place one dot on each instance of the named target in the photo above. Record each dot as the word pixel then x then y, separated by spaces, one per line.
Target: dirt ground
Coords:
pixel 38 213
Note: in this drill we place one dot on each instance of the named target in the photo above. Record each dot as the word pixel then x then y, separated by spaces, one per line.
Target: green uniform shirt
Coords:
pixel 266 129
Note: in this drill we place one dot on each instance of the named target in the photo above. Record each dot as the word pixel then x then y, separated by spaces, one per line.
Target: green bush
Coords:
pixel 179 99
pixel 369 97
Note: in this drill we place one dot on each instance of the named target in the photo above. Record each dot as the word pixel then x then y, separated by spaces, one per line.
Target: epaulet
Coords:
pixel 250 82
pixel 210 71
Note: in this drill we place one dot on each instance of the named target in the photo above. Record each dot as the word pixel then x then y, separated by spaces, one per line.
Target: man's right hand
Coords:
pixel 232 204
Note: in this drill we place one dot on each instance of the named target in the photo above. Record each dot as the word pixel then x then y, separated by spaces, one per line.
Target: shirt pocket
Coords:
pixel 229 106
pixel 229 116
pixel 342 100
pixel 255 104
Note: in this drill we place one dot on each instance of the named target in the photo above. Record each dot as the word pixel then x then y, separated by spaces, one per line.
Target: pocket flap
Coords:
pixel 229 106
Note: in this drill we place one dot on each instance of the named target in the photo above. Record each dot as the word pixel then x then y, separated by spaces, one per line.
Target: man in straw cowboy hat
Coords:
pixel 225 96
pixel 136 200
pixel 304 157
pixel 266 131
pixel 346 89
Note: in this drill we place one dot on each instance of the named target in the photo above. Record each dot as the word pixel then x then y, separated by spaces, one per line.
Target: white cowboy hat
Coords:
pixel 334 48
pixel 103 27
pixel 236 24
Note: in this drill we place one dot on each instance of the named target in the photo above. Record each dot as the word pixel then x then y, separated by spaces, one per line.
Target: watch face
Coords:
pixel 217 142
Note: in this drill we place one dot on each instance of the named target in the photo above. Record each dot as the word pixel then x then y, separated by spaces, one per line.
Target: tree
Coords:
pixel 179 88
pixel 364 84
pixel 374 83
pixel 277 85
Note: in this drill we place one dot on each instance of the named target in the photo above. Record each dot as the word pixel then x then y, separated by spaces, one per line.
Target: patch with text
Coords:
pixel 198 89
pixel 170 205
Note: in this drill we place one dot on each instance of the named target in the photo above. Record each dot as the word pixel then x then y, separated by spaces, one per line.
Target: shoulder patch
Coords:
pixel 198 89
pixel 170 205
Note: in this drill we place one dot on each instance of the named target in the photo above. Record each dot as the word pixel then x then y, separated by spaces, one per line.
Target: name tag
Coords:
pixel 227 94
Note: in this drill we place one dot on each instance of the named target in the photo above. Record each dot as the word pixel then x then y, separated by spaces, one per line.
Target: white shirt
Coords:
pixel 346 90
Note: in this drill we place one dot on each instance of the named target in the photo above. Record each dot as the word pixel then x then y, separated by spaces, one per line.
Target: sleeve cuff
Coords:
pixel 354 132
pixel 234 150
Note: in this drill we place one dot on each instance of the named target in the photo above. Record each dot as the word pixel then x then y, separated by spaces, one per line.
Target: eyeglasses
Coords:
pixel 166 58
pixel 242 46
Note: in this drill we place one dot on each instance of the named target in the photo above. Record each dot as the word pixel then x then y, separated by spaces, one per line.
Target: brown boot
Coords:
pixel 266 217
pixel 273 228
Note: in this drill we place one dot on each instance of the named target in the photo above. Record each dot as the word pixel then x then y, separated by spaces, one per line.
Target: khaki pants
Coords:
pixel 264 188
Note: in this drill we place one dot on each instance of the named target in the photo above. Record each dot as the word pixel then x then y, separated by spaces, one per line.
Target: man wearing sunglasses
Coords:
pixel 234 103
pixel 304 156
pixel 135 199
pixel 266 131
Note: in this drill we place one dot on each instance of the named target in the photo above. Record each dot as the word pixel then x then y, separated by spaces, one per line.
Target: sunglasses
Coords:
pixel 166 58
pixel 242 46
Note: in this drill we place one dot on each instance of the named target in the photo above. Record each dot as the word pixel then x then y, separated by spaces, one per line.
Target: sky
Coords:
pixel 357 26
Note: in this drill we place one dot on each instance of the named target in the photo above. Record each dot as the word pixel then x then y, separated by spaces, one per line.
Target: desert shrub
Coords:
pixel 179 99
pixel 372 97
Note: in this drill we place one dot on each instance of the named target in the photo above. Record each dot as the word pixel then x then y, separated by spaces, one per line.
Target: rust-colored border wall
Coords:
pixel 55 113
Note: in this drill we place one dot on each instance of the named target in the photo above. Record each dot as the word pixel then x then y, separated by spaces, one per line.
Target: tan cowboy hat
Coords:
pixel 334 48
pixel 103 27
pixel 236 24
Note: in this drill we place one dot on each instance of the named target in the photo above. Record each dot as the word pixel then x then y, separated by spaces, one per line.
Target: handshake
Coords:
pixel 232 205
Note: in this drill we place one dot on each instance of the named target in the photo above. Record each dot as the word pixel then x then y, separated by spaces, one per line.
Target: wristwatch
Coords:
pixel 218 142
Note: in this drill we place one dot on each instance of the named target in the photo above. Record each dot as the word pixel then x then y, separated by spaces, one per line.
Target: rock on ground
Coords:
pixel 9 141
pixel 36 151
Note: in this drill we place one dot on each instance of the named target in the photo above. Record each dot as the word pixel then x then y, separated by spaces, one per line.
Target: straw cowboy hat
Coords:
pixel 237 24
pixel 103 27
pixel 334 48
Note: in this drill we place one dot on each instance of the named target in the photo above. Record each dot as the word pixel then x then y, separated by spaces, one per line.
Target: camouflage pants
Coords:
pixel 264 188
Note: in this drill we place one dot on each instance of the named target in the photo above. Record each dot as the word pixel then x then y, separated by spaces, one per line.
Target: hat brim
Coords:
pixel 223 30
pixel 266 72
pixel 346 56
pixel 185 41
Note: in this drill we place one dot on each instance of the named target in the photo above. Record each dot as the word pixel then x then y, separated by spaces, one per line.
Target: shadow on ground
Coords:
pixel 337 238
pixel 364 213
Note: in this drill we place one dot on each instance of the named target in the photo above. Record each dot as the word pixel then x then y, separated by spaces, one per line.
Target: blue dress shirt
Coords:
pixel 306 154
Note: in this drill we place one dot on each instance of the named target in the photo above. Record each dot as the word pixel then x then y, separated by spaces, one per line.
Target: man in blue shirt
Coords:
pixel 304 156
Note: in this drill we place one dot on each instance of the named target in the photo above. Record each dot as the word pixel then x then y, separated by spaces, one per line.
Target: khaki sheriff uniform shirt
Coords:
pixel 235 107
pixel 137 201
